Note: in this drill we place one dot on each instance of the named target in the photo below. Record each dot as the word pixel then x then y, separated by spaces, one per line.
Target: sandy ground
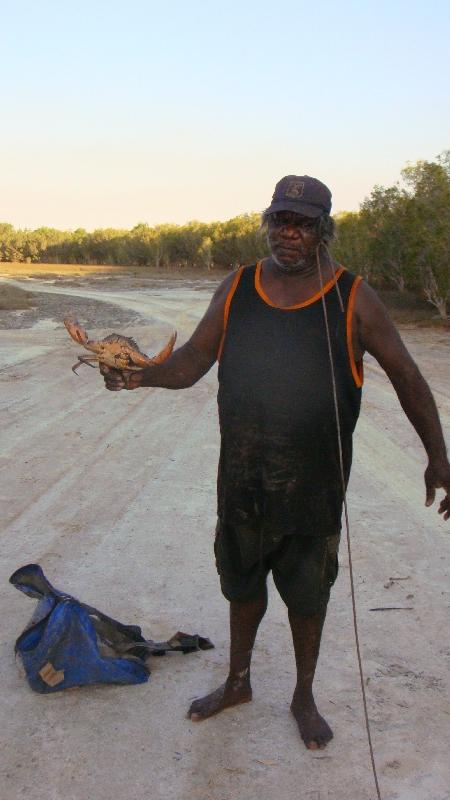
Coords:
pixel 114 495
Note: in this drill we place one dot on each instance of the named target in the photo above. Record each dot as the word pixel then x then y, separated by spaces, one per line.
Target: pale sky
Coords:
pixel 115 113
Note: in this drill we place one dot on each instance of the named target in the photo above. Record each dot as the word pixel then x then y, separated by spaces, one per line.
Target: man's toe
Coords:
pixel 312 745
pixel 193 708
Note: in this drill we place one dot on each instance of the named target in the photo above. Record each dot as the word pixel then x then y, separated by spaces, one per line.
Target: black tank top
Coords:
pixel 279 461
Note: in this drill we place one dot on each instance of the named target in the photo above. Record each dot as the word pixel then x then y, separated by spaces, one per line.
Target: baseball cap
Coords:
pixel 302 194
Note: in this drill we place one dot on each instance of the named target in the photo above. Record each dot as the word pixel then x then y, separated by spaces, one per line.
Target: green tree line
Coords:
pixel 401 235
pixel 196 244
pixel 398 238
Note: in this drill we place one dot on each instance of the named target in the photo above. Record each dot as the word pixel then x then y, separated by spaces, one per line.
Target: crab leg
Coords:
pixel 84 360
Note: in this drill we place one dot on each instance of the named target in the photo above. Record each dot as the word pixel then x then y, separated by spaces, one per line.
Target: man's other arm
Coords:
pixel 376 333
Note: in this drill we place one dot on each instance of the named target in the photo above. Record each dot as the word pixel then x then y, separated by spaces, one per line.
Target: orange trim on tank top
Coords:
pixel 226 311
pixel 357 369
pixel 308 302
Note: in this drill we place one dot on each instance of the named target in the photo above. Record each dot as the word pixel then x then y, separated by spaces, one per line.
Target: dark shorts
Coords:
pixel 304 568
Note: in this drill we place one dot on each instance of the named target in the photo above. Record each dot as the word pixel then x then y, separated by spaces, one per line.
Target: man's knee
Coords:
pixel 241 593
pixel 306 573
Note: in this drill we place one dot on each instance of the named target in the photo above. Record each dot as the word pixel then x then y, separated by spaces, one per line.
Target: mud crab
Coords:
pixel 115 350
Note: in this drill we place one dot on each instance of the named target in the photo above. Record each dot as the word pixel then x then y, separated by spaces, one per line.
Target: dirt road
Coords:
pixel 114 495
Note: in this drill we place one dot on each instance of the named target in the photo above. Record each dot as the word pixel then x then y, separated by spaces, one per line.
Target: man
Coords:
pixel 281 477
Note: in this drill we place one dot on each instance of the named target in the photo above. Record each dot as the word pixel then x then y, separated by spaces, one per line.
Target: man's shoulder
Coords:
pixel 233 278
pixel 345 274
pixel 225 287
pixel 368 303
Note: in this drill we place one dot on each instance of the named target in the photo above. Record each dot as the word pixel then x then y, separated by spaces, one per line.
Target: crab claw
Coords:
pixel 74 328
pixel 165 352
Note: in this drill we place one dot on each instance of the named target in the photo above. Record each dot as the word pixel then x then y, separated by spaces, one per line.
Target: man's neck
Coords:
pixel 303 272
pixel 285 290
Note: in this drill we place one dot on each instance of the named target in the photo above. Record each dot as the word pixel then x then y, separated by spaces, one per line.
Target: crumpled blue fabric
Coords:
pixel 68 643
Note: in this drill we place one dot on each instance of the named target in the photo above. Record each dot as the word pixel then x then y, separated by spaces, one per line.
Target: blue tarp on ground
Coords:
pixel 68 643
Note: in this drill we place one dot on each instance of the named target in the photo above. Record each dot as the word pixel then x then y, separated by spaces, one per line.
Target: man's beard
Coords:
pixel 290 269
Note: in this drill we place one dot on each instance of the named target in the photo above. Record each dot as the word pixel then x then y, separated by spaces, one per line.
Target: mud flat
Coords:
pixel 114 495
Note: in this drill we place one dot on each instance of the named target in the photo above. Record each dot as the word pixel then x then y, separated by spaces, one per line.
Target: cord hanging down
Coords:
pixel 347 524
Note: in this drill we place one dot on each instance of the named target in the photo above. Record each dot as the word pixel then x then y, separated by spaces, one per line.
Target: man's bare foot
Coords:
pixel 314 730
pixel 232 693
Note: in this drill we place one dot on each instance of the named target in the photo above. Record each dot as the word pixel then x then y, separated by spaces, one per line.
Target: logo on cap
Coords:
pixel 295 189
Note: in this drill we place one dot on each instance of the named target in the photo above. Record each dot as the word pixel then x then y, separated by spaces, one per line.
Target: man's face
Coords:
pixel 292 239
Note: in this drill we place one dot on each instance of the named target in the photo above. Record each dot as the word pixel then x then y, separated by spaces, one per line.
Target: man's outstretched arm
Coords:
pixel 377 334
pixel 189 362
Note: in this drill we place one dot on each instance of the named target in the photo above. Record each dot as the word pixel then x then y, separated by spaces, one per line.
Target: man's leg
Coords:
pixel 306 634
pixel 244 622
pixel 304 570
